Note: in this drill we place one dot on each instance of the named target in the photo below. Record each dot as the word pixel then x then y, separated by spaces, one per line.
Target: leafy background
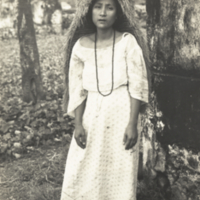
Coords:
pixel 27 130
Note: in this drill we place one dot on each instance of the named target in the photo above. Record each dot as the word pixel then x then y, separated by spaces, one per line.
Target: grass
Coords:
pixel 36 176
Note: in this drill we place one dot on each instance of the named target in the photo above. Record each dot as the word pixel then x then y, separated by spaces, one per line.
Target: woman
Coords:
pixel 107 84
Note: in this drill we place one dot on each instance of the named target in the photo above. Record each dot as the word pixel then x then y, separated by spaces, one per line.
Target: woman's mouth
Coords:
pixel 102 20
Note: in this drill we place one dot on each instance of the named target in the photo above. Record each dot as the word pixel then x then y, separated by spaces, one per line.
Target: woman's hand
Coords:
pixel 80 136
pixel 130 136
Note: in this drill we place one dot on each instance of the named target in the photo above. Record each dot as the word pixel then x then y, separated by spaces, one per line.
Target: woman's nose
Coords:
pixel 103 11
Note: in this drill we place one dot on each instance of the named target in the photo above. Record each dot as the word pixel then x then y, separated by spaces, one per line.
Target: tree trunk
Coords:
pixel 31 75
pixel 174 34
pixel 173 31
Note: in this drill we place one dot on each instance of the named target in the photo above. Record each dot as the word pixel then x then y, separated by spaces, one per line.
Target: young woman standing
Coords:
pixel 107 84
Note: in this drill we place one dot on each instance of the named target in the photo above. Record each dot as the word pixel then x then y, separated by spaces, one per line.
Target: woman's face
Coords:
pixel 104 13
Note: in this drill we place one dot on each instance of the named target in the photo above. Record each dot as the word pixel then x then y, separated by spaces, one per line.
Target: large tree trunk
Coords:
pixel 29 57
pixel 174 34
pixel 173 30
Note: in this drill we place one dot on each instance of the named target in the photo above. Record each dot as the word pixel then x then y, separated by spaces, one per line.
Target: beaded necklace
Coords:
pixel 113 49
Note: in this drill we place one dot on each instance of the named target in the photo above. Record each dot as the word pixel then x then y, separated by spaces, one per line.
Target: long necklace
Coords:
pixel 113 49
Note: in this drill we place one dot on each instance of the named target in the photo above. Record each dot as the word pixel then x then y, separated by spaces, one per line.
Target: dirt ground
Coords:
pixel 41 168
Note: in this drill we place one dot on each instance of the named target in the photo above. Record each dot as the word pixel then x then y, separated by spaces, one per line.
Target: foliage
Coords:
pixel 21 124
pixel 154 120
pixel 153 116
pixel 182 166
pixel 182 158
pixel 148 189
pixel 28 130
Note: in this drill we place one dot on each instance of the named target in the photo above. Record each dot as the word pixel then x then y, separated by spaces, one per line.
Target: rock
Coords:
pixel 11 122
pixel 30 148
pixel 29 137
pixel 43 104
pixel 57 140
pixel 28 128
pixel 16 155
pixel 17 145
pixel 17 132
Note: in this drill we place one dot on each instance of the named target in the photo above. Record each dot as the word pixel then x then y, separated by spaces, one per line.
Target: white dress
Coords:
pixel 104 170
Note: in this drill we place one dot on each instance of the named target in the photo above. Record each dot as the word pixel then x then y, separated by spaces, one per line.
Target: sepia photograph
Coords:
pixel 99 99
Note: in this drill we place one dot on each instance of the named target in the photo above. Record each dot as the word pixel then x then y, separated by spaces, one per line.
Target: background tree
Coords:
pixel 174 40
pixel 29 57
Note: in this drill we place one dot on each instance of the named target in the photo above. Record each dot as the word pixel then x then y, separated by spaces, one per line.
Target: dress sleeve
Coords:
pixel 76 92
pixel 136 71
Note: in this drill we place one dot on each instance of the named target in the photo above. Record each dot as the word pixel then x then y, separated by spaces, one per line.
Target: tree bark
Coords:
pixel 29 57
pixel 173 32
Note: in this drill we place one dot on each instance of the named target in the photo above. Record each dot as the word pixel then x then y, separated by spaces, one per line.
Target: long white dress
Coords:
pixel 104 170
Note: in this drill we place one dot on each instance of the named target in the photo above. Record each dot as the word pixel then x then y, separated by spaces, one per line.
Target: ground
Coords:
pixel 37 175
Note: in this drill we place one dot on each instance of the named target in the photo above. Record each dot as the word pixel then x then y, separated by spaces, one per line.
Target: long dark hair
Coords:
pixel 83 25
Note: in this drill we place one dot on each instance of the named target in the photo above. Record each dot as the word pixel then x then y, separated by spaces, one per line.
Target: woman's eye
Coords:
pixel 97 6
pixel 110 8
